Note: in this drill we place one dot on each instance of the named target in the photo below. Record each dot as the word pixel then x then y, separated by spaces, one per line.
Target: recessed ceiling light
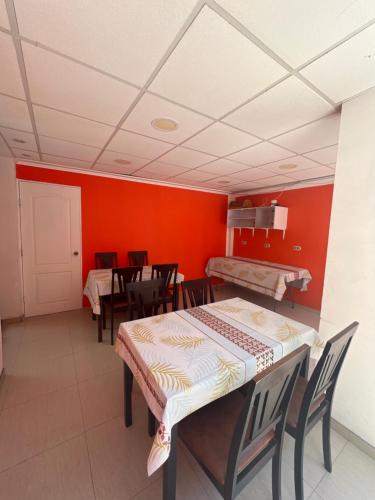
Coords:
pixel 287 166
pixel 164 124
pixel 223 182
pixel 20 141
pixel 123 162
pixel 26 155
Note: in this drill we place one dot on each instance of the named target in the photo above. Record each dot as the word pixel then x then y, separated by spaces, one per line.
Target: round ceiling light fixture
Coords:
pixel 19 141
pixel 288 166
pixel 122 162
pixel 164 124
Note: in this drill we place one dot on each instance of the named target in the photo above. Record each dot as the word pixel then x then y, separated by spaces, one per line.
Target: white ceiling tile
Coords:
pixel 260 154
pixel 332 165
pixel 10 81
pixel 223 182
pixel 66 162
pixel 325 155
pixel 221 140
pixel 215 68
pixel 115 169
pixel 252 174
pixel 346 70
pixel 194 175
pixel 25 155
pixel 138 145
pixel 4 150
pixel 312 173
pixel 322 133
pixel 157 167
pixel 71 128
pixel 150 175
pixel 3 15
pixel 66 149
pixel 273 181
pixel 223 166
pixel 298 31
pixel 151 107
pixel 283 166
pixel 184 157
pixel 108 158
pixel 121 37
pixel 244 186
pixel 14 137
pixel 62 84
pixel 287 105
pixel 14 114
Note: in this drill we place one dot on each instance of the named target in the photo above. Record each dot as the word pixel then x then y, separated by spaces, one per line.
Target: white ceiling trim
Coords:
pixel 319 181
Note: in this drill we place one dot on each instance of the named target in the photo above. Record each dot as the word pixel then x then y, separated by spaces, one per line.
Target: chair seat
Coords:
pixel 295 404
pixel 208 433
pixel 119 300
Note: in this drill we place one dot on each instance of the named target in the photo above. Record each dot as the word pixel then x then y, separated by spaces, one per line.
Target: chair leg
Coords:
pixel 103 317
pixel 298 465
pixel 93 317
pixel 151 423
pixel 276 476
pixel 128 387
pixel 112 321
pixel 326 427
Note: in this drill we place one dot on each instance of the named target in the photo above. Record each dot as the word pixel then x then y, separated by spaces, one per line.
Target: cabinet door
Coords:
pixel 265 217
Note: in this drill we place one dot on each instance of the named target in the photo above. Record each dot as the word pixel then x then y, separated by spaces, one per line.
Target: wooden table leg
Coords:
pixel 128 388
pixel 169 469
pixel 100 323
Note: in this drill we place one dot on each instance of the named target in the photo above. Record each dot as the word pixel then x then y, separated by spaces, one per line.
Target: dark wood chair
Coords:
pixel 312 401
pixel 118 300
pixel 106 260
pixel 169 290
pixel 199 291
pixel 138 258
pixel 143 296
pixel 235 436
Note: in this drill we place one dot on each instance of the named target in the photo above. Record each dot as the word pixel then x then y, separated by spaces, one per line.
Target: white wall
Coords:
pixel 349 288
pixel 10 275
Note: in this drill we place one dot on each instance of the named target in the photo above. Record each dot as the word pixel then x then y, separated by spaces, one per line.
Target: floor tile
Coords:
pixel 102 398
pixel 96 360
pixel 31 378
pixel 313 458
pixel 353 477
pixel 60 474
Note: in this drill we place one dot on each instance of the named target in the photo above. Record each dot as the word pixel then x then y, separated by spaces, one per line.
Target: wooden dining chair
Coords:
pixel 169 290
pixel 118 299
pixel 138 258
pixel 199 291
pixel 312 401
pixel 143 296
pixel 236 435
pixel 106 260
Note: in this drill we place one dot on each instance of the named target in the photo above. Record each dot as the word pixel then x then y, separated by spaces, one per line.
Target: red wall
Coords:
pixel 308 225
pixel 174 225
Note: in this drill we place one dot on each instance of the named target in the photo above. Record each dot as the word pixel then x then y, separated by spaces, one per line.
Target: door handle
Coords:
pixel 75 253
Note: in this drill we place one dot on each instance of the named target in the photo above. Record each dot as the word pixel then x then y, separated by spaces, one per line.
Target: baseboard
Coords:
pixel 18 319
pixel 353 438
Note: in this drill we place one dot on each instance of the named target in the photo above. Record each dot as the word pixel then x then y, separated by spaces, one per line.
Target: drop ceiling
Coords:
pixel 254 87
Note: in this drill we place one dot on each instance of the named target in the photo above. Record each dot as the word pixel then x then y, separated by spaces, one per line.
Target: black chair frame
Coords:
pixel 138 258
pixel 168 273
pixel 199 291
pixel 106 260
pixel 265 408
pixel 322 383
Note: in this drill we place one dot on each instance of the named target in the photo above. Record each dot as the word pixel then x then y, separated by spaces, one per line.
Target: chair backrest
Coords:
pixel 324 377
pixel 124 275
pixel 199 291
pixel 144 297
pixel 265 406
pixel 138 258
pixel 167 272
pixel 105 260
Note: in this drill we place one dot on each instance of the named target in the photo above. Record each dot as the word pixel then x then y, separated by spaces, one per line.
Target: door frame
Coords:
pixel 20 246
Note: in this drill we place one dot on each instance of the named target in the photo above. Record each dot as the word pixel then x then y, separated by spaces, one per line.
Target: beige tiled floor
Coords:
pixel 62 435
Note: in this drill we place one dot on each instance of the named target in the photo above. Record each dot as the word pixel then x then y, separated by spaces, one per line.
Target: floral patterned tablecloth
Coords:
pixel 185 359
pixel 99 282
pixel 265 277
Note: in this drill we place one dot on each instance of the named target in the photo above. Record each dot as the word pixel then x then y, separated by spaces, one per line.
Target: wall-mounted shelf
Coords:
pixel 266 218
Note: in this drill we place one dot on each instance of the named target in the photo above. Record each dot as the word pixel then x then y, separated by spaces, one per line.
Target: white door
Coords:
pixel 51 247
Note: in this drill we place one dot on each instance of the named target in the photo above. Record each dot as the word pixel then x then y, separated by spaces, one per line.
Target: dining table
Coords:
pixel 98 285
pixel 186 359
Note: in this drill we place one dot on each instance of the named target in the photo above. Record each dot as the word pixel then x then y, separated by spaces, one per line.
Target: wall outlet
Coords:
pixel 243 242
pixel 267 245
pixel 297 248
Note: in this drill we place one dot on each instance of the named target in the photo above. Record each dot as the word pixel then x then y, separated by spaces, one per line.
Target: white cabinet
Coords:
pixel 273 217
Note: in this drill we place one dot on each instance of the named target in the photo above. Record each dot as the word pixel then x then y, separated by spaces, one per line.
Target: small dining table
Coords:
pixel 99 283
pixel 186 359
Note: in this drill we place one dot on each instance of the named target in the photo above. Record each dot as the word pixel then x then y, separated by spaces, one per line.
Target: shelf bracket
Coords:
pixel 267 233
pixel 253 230
pixel 283 234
